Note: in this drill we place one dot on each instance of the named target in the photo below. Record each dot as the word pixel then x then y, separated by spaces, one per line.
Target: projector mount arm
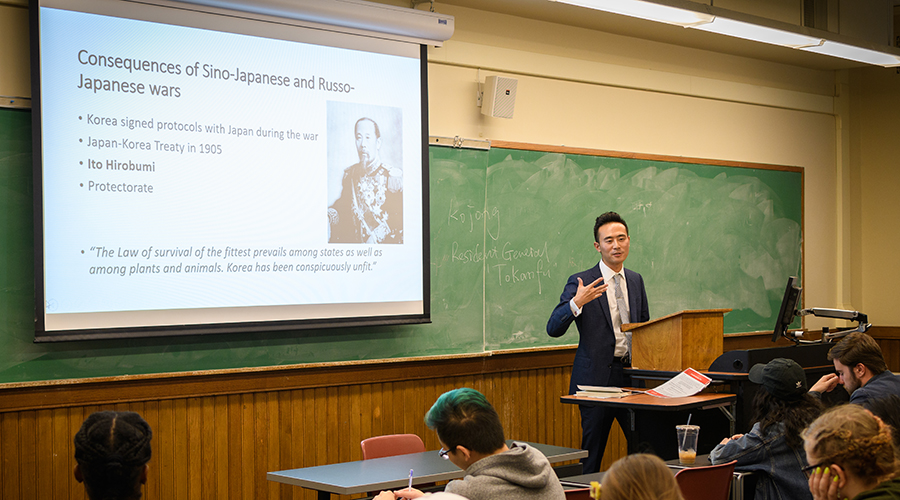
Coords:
pixel 861 319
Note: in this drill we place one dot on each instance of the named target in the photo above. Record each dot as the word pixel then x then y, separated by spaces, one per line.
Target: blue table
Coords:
pixel 392 473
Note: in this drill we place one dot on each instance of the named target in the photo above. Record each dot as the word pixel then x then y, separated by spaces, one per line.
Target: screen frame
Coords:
pixel 788 310
pixel 44 335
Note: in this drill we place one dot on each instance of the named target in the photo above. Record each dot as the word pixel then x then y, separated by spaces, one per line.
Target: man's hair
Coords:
pixel 859 348
pixel 606 218
pixel 111 449
pixel 796 414
pixel 639 477
pixel 365 119
pixel 464 417
pixel 850 436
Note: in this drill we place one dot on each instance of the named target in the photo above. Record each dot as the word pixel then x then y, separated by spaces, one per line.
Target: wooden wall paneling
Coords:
pixel 9 456
pixel 307 436
pixel 194 444
pixel 249 448
pixel 355 418
pixel 220 457
pixel 75 416
pixel 208 442
pixel 318 405
pixel 271 417
pixel 27 441
pixel 255 418
pixel 182 448
pixel 365 409
pixel 44 452
pixel 233 451
pixel 150 412
pixel 62 447
pixel 164 448
pixel 214 445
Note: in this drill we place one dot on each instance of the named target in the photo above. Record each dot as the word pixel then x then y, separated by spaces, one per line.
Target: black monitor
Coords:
pixel 788 308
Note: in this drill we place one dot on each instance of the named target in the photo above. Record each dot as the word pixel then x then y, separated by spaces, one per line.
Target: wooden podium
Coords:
pixel 686 339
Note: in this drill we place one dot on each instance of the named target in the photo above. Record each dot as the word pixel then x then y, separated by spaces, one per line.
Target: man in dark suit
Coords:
pixel 600 300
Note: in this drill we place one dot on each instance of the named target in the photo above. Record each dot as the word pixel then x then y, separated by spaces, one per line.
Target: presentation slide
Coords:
pixel 196 176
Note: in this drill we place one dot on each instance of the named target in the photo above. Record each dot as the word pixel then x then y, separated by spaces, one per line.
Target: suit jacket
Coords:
pixel 597 339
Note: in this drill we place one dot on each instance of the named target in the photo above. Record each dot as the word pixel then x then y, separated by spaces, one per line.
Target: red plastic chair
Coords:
pixel 391 445
pixel 706 483
pixel 578 494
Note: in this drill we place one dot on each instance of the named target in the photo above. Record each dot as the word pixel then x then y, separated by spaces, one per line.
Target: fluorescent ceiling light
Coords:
pixel 645 10
pixel 652 11
pixel 854 53
pixel 759 33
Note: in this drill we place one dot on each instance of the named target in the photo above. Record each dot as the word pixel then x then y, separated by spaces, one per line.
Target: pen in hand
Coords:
pixel 410 479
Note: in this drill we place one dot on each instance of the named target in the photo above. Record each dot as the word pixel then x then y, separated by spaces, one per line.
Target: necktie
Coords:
pixel 623 313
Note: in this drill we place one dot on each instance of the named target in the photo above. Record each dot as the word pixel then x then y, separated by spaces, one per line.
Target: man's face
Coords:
pixel 367 143
pixel 613 245
pixel 847 377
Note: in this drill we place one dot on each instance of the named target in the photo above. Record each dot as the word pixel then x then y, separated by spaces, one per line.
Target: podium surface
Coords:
pixel 686 339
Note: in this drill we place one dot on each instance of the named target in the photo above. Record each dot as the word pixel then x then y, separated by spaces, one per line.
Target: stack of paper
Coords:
pixel 593 391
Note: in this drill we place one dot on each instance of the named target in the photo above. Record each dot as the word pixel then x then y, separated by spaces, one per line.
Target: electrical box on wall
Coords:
pixel 499 96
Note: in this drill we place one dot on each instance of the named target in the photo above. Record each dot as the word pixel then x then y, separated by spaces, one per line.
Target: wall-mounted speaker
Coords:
pixel 499 96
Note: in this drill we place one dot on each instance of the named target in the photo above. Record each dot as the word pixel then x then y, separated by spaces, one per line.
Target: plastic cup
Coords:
pixel 687 443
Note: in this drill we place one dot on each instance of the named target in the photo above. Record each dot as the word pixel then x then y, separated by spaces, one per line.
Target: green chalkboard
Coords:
pixel 703 236
pixel 507 228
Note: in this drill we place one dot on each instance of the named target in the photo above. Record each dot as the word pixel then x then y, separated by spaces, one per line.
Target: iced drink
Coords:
pixel 687 443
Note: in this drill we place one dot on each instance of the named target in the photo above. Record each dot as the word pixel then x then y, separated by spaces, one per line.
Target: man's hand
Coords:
pixel 826 384
pixel 585 294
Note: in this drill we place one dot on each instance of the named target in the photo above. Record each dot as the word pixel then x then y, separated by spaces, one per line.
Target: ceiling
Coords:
pixel 569 15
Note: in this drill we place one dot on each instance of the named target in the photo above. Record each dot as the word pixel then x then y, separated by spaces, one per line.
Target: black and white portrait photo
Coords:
pixel 365 189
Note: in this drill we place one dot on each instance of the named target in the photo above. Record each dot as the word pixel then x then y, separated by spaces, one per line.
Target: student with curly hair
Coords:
pixel 112 449
pixel 639 477
pixel 852 456
pixel 773 449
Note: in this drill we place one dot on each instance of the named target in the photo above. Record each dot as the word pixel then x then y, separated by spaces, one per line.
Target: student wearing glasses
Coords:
pixel 852 456
pixel 773 449
pixel 471 437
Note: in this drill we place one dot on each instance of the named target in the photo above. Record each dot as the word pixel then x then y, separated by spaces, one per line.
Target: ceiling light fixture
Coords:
pixel 706 18
pixel 646 10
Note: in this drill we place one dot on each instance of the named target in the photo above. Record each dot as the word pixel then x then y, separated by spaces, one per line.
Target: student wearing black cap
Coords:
pixel 773 449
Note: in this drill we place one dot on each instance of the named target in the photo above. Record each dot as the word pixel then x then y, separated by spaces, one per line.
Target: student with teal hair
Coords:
pixel 471 437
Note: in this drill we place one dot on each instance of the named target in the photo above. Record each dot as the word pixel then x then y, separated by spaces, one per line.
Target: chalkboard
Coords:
pixel 508 226
pixel 703 235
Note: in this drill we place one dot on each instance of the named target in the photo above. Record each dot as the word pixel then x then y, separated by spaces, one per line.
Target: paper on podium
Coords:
pixel 686 383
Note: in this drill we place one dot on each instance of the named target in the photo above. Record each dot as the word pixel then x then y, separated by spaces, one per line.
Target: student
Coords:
pixel 112 450
pixel 639 477
pixel 860 366
pixel 773 448
pixel 600 300
pixel 471 437
pixel 887 409
pixel 852 456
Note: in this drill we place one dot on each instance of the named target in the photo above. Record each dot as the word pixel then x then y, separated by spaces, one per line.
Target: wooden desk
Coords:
pixel 642 403
pixel 392 473
pixel 740 385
